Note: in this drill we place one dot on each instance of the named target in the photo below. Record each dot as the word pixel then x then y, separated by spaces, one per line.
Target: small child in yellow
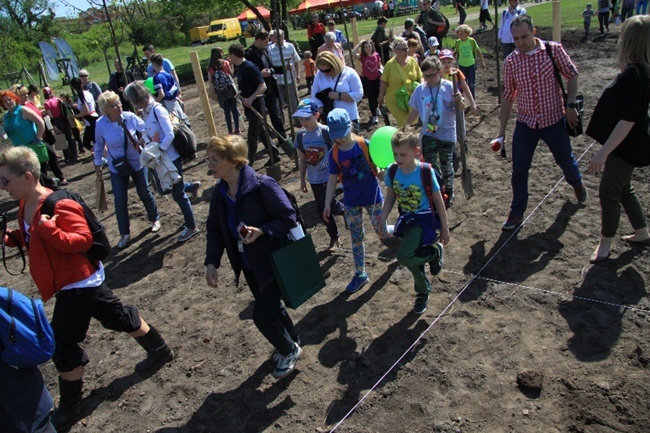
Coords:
pixel 418 223
pixel 467 52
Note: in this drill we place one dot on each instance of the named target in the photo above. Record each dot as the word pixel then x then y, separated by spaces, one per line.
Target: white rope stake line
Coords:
pixel 439 316
pixel 559 294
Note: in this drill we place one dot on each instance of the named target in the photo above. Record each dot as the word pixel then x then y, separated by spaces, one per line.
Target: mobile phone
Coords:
pixel 243 230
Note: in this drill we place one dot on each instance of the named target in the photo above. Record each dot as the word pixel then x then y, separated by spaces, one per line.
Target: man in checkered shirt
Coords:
pixel 529 78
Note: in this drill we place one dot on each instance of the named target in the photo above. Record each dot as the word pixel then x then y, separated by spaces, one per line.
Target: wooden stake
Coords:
pixel 556 21
pixel 203 93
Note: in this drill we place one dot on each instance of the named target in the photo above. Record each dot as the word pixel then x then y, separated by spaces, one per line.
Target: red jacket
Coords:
pixel 312 30
pixel 55 247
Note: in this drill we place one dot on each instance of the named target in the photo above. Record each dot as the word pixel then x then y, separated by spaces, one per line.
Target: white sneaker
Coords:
pixel 287 363
pixel 375 120
pixel 186 234
pixel 155 226
pixel 124 239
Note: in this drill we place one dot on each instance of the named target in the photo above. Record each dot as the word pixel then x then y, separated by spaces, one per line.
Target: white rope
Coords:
pixel 514 232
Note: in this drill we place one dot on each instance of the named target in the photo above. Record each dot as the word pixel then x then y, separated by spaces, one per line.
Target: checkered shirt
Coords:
pixel 531 80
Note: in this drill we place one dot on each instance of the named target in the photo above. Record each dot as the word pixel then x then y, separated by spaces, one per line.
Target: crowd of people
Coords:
pixel 250 214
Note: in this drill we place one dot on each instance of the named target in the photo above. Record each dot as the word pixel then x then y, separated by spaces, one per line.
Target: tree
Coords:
pixel 28 15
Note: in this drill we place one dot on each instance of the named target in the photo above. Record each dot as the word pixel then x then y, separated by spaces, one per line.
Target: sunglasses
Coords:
pixel 83 76
pixel 325 71
pixel 115 105
pixel 430 75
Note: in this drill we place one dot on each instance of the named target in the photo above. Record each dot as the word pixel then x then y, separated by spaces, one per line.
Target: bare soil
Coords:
pixel 504 306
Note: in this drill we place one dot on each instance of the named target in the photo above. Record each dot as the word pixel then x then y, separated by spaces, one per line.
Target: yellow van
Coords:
pixel 224 29
pixel 199 35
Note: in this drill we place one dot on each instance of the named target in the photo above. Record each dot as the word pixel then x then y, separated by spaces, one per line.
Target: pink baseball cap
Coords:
pixel 446 54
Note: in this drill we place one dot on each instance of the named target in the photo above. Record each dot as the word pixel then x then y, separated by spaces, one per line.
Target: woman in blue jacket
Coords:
pixel 249 217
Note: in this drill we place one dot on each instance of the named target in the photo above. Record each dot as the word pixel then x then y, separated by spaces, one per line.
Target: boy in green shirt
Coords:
pixel 466 52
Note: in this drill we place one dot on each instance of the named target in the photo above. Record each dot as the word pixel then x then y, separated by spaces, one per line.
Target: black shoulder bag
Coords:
pixel 576 130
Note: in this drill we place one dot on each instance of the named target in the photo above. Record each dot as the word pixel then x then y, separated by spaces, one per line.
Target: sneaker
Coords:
pixel 276 355
pixel 63 182
pixel 186 234
pixel 287 363
pixel 512 222
pixel 124 239
pixel 581 192
pixel 375 120
pixel 358 281
pixel 194 191
pixel 435 265
pixel 236 132
pixel 155 226
pixel 450 200
pixel 335 244
pixel 421 303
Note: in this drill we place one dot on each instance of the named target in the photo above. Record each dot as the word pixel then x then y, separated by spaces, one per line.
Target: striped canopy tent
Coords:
pixel 248 15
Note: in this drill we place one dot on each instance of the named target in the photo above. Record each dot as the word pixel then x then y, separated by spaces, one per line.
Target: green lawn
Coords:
pixel 542 14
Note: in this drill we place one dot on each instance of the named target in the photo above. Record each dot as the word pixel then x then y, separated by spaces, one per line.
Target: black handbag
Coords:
pixel 576 130
pixel 121 164
pixel 328 104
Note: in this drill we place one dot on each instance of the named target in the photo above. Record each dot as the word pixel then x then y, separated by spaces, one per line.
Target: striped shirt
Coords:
pixel 530 79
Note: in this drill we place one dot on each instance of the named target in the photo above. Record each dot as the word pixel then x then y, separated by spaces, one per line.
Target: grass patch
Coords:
pixel 542 14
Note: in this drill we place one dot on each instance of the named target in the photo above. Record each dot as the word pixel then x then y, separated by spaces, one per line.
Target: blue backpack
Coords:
pixel 26 337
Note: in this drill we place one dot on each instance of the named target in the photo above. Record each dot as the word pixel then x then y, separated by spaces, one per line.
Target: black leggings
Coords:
pixel 371 90
pixel 603 20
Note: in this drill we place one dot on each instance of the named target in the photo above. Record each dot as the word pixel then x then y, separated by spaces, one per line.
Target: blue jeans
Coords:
pixel 642 7
pixel 179 196
pixel 120 189
pixel 230 110
pixel 524 142
pixel 470 77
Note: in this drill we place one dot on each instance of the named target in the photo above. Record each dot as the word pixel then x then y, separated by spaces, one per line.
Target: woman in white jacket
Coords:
pixel 158 128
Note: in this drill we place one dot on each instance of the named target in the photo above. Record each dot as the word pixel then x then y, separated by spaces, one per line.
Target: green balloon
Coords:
pixel 148 83
pixel 381 150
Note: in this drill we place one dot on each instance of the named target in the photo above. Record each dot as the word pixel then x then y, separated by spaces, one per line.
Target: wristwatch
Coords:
pixel 339 97
pixel 571 105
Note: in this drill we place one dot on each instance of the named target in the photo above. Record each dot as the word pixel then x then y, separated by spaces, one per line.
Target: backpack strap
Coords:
pixel 555 69
pixel 364 148
pixel 326 138
pixel 426 174
pixel 392 171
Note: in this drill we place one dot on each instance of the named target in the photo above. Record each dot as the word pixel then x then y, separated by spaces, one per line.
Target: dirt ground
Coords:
pixel 503 305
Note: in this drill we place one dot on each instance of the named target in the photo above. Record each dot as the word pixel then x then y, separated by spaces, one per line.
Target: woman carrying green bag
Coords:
pixel 400 77
pixel 250 217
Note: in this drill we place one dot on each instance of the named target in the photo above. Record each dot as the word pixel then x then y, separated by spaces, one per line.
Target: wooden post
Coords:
pixel 355 31
pixel 497 49
pixel 203 93
pixel 556 21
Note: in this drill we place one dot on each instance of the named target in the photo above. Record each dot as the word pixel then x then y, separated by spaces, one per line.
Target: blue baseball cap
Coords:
pixel 306 108
pixel 338 122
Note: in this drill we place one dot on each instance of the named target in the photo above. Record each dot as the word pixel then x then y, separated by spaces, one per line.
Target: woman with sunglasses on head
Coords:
pixel 87 111
pixel 114 132
pixel 26 127
pixel 338 83
pixel 401 74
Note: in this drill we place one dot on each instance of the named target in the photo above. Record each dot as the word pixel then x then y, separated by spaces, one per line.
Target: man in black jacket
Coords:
pixel 118 81
pixel 258 55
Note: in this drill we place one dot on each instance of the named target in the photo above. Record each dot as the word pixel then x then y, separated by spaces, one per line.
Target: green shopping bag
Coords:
pixel 297 271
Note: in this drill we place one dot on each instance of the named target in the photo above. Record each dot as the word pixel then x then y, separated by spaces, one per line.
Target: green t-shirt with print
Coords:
pixel 466 50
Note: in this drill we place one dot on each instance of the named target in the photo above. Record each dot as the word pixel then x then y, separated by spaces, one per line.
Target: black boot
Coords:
pixel 70 406
pixel 158 352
